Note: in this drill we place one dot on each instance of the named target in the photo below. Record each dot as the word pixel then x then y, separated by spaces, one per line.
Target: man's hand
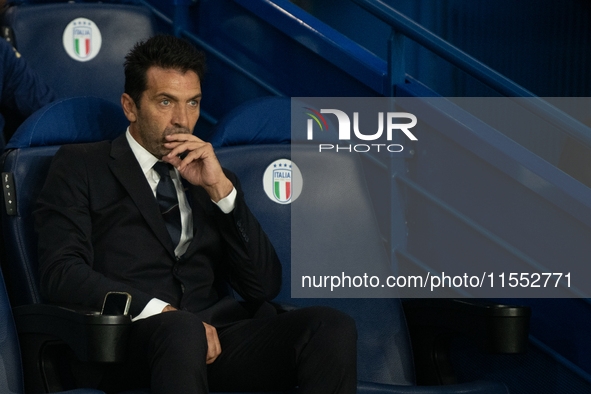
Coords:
pixel 213 343
pixel 200 166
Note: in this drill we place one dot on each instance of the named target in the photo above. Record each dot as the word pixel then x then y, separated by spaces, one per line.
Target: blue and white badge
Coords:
pixel 82 39
pixel 282 181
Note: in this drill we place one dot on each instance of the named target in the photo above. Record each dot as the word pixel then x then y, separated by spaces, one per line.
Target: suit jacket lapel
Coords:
pixel 127 170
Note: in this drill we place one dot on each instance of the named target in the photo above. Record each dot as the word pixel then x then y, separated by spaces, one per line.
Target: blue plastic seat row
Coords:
pixel 384 357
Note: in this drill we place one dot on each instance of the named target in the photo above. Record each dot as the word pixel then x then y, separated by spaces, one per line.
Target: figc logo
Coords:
pixel 82 39
pixel 282 181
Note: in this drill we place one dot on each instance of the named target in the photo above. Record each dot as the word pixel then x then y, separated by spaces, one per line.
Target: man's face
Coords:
pixel 170 105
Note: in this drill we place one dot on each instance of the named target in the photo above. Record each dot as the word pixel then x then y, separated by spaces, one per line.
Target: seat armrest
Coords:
pixel 497 328
pixel 93 337
pixel 433 323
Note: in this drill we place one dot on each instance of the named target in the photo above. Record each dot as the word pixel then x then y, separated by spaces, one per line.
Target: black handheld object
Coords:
pixel 116 303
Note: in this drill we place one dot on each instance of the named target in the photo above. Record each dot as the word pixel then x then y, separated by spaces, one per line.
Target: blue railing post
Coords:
pixel 181 16
pixel 397 167
pixel 398 225
pixel 396 71
pixel 396 74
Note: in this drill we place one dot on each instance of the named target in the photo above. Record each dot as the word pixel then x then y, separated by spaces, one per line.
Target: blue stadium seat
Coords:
pixel 29 153
pixel 261 121
pixel 79 48
pixel 258 121
pixel 25 165
pixel 385 361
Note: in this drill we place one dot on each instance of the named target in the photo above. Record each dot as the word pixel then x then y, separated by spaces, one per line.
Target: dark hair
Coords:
pixel 167 52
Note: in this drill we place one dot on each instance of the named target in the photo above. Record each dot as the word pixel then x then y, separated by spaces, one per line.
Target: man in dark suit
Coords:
pixel 153 214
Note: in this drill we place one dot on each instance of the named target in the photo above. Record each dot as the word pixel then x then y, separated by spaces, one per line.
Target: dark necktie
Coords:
pixel 168 201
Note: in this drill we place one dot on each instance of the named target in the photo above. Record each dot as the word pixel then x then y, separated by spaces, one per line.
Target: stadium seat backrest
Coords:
pixel 79 48
pixel 27 160
pixel 264 120
pixel 331 220
pixel 258 121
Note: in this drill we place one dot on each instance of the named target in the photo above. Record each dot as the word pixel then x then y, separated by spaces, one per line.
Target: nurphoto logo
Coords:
pixel 392 122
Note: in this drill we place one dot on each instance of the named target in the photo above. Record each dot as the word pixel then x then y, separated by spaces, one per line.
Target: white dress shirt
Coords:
pixel 146 161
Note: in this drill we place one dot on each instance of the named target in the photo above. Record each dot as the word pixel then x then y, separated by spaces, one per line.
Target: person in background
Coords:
pixel 22 91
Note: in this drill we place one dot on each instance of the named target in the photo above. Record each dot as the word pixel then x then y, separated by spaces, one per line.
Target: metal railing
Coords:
pixel 402 25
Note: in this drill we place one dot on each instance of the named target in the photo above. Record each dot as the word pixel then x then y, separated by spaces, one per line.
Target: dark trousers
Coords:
pixel 311 348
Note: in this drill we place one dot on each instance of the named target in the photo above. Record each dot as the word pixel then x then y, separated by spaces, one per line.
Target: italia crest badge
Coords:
pixel 82 39
pixel 282 181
